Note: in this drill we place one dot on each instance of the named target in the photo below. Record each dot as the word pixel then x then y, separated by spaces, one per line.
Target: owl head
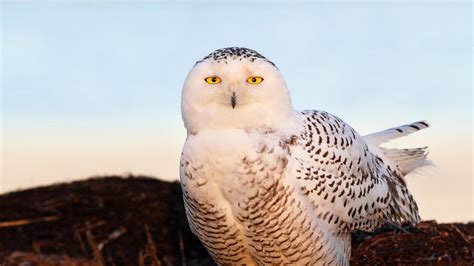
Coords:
pixel 235 88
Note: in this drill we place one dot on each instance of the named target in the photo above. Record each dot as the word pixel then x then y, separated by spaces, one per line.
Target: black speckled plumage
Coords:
pixel 234 53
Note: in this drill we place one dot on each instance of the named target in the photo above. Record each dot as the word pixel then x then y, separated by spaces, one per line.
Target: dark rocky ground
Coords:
pixel 141 221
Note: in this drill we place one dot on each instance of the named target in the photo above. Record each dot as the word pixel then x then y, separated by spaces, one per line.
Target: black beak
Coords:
pixel 233 100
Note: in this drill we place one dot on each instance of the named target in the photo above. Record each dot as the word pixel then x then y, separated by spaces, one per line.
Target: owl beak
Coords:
pixel 233 100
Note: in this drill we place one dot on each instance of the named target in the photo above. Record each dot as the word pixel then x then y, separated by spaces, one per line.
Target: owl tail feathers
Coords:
pixel 395 132
pixel 407 160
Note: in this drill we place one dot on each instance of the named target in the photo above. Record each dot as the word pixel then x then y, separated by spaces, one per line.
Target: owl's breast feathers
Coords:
pixel 266 197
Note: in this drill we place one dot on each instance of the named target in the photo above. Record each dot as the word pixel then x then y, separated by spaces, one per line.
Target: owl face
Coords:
pixel 234 88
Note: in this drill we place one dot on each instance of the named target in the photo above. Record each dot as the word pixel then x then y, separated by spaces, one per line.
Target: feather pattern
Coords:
pixel 395 132
pixel 355 185
pixel 266 196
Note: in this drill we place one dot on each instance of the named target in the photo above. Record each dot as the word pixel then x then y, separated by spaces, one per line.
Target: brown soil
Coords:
pixel 141 221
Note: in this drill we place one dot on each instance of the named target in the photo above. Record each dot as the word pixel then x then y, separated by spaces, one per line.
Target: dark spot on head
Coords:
pixel 235 53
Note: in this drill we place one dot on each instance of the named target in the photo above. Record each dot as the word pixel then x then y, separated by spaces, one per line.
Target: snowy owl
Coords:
pixel 266 184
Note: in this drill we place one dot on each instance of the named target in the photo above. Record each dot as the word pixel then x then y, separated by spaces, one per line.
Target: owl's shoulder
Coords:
pixel 325 130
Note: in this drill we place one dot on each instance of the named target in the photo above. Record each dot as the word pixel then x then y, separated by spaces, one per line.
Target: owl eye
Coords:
pixel 255 80
pixel 213 80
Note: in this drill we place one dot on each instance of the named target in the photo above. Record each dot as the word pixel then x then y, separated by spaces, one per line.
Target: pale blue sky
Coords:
pixel 75 62
pixel 83 72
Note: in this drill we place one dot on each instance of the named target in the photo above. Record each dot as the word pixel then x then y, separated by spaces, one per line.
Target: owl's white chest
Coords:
pixel 215 164
pixel 240 205
pixel 214 185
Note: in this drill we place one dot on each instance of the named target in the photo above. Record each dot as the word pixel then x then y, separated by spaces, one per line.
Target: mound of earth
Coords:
pixel 141 221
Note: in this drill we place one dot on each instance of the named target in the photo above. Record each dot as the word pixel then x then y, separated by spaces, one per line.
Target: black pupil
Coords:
pixel 214 79
pixel 254 80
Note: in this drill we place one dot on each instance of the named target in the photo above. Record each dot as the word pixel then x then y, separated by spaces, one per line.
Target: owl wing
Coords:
pixel 353 184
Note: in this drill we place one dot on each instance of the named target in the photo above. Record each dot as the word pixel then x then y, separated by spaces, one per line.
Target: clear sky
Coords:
pixel 93 88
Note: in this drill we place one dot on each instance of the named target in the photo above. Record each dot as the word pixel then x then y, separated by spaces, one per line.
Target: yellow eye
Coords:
pixel 213 80
pixel 255 80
